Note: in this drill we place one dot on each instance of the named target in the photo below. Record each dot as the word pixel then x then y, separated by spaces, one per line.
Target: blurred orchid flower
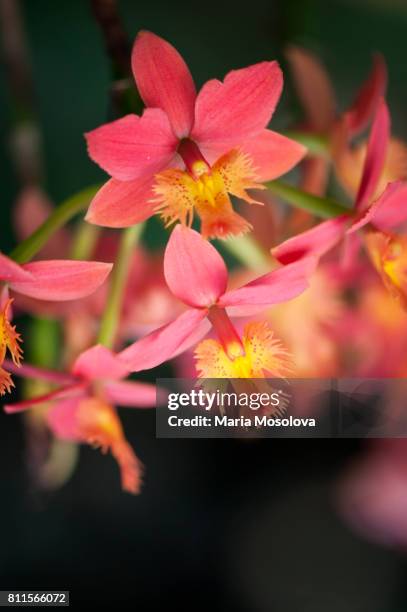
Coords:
pixel 317 96
pixel 55 280
pixel 81 407
pixel 189 151
pixel 377 220
pixel 197 275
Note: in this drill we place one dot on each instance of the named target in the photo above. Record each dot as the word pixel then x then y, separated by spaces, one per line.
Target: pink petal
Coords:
pixel 163 343
pixel 99 362
pixel 375 156
pixel 369 96
pixel 350 251
pixel 130 393
pixel 278 286
pixel 314 88
pixel 133 147
pixel 200 331
pixel 193 268
pixel 10 271
pixel 60 280
pixel 238 108
pixel 388 211
pixel 164 81
pixel 26 370
pixel 273 154
pixel 63 422
pixel 122 203
pixel 316 241
pixel 59 394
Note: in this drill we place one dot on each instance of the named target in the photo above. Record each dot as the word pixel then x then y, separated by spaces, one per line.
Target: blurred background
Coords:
pixel 220 524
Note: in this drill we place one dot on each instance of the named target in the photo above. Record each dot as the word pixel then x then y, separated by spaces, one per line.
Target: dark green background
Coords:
pixel 221 524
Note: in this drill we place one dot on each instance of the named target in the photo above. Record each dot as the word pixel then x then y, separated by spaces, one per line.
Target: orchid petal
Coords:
pixel 368 97
pixel 164 81
pixel 375 156
pixel 122 203
pixel 350 250
pixel 131 393
pixel 98 363
pixel 163 343
pixel 193 268
pixel 26 370
pixel 314 88
pixel 277 286
pixel 316 241
pixel 133 147
pixel 238 108
pixel 63 422
pixel 59 394
pixel 200 331
pixel 60 280
pixel 388 211
pixel 10 271
pixel 273 154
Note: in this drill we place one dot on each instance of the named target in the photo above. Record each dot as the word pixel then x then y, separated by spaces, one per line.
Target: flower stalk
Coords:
pixel 321 207
pixel 110 320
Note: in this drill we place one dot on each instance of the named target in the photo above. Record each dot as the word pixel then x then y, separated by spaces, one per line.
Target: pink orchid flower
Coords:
pixel 377 219
pixel 197 275
pixel 81 408
pixel 189 151
pixel 55 280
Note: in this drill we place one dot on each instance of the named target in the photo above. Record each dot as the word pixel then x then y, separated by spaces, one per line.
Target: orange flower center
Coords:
pixel 9 340
pixel 205 190
pixel 257 355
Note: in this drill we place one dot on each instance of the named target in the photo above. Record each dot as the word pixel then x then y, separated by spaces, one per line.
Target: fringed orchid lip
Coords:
pixel 261 355
pixel 10 341
pixel 205 190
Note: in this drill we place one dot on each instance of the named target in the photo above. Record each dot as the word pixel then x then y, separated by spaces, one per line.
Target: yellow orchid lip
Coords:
pixel 206 190
pixel 263 355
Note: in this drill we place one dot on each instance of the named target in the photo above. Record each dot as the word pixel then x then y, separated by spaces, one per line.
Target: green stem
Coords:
pixel 321 207
pixel 27 249
pixel 111 315
pixel 248 252
pixel 85 241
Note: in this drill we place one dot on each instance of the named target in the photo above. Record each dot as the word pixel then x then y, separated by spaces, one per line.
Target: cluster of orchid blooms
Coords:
pixel 318 304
